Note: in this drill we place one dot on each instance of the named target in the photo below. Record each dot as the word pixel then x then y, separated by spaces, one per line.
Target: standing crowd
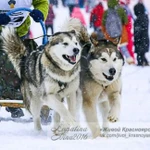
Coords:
pixel 131 30
pixel 133 26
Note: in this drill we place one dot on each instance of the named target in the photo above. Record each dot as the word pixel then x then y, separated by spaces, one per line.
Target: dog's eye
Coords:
pixel 65 44
pixel 76 43
pixel 114 59
pixel 103 59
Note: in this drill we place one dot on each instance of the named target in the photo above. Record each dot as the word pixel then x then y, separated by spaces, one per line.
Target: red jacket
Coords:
pixel 96 15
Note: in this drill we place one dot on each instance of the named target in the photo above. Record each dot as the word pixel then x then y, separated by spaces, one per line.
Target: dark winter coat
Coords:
pixel 120 11
pixel 124 20
pixel 141 38
pixel 50 17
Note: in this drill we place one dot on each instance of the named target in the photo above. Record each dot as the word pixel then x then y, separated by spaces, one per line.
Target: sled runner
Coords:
pixel 19 103
pixel 18 120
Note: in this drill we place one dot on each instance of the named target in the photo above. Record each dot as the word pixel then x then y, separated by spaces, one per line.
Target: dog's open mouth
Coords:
pixel 110 78
pixel 70 59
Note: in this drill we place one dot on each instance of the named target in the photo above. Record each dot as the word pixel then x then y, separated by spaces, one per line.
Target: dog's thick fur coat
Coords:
pixel 101 84
pixel 51 74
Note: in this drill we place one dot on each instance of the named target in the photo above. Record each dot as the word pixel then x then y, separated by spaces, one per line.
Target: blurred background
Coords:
pixel 61 10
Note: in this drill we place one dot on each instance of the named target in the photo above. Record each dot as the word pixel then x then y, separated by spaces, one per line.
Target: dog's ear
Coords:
pixel 120 55
pixel 84 56
pixel 86 48
pixel 94 39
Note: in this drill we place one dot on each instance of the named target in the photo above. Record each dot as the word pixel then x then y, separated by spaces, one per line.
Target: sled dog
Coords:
pixel 49 75
pixel 101 83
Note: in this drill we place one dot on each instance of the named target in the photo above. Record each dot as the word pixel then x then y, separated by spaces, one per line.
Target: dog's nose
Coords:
pixel 112 71
pixel 76 50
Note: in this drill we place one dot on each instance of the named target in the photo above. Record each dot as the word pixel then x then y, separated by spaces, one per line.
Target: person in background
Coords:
pixel 76 13
pixel 81 3
pixel 50 19
pixel 141 37
pixel 89 5
pixel 129 47
pixel 96 16
pixel 123 46
pixel 54 2
pixel 9 80
pixel 129 27
pixel 121 40
pixel 71 4
pixel 142 2
pixel 113 4
pixel 64 3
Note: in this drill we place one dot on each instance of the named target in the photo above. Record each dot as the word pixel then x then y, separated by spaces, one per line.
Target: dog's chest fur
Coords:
pixel 51 86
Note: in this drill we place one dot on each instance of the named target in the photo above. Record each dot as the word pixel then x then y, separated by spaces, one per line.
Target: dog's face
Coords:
pixel 65 50
pixel 106 61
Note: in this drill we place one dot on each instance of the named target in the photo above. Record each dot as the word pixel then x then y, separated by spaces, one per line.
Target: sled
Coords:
pixel 12 103
pixel 19 103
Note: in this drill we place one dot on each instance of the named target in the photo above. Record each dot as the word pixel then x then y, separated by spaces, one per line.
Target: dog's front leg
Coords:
pixel 114 96
pixel 89 107
pixel 79 104
pixel 59 107
pixel 72 102
pixel 114 100
pixel 56 117
pixel 35 108
pixel 104 108
pixel 56 123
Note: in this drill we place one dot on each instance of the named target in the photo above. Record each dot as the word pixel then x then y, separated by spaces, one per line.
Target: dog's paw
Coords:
pixel 113 115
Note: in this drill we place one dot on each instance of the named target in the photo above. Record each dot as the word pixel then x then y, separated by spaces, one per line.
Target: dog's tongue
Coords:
pixel 73 58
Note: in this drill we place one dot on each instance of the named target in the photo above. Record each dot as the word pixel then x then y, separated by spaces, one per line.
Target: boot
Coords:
pixel 130 60
pixel 15 112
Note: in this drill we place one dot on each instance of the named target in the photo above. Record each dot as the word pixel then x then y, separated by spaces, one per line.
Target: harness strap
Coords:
pixel 62 86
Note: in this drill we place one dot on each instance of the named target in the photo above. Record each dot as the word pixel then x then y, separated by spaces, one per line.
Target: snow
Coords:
pixel 135 114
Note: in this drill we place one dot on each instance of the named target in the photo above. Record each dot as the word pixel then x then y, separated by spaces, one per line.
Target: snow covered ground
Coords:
pixel 135 115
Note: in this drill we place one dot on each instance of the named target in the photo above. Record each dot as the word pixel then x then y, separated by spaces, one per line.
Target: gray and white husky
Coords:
pixel 101 83
pixel 51 74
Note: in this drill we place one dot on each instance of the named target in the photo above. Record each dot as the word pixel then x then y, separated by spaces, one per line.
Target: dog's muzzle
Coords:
pixel 72 59
pixel 109 78
pixel 112 71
